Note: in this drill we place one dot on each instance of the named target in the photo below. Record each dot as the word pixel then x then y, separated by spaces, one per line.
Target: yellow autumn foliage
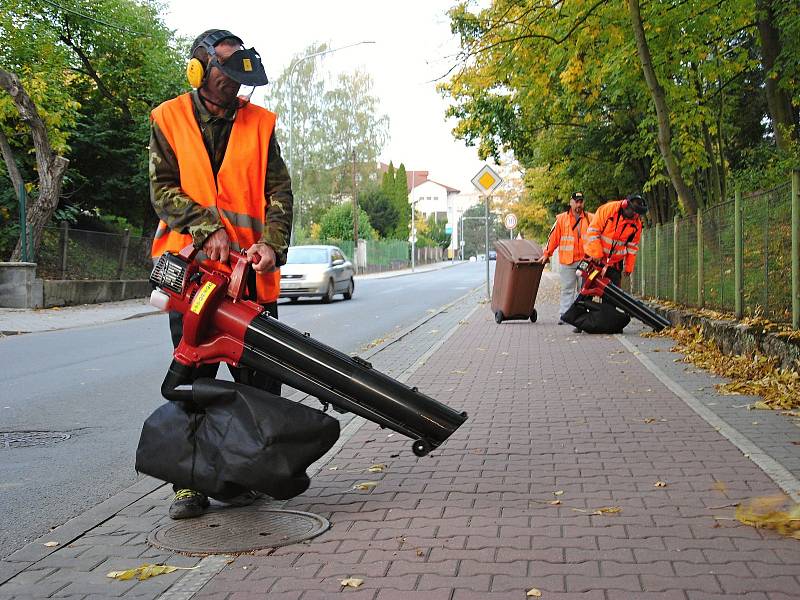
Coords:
pixel 771 512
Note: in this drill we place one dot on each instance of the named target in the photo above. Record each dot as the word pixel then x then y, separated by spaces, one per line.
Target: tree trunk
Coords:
pixel 779 101
pixel 662 112
pixel 50 166
pixel 11 164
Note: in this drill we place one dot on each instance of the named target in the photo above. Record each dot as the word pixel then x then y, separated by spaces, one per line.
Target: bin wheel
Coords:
pixel 421 447
pixel 498 316
pixel 534 316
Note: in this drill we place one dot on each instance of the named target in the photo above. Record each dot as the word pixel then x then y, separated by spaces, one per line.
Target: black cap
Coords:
pixel 576 196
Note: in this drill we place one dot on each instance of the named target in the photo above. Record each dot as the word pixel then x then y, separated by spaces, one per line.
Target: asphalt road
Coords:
pixel 97 385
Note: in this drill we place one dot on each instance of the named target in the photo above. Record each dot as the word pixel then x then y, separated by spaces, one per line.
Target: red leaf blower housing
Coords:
pixel 220 326
pixel 595 283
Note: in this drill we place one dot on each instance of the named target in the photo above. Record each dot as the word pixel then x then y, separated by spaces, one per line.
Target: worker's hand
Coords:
pixel 262 257
pixel 543 260
pixel 217 246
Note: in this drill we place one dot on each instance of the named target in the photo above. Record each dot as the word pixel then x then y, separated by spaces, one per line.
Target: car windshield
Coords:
pixel 307 256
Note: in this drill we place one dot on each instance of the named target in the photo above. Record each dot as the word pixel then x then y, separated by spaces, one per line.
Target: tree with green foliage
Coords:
pixel 337 224
pixel 431 233
pixel 610 98
pixel 329 121
pixel 383 215
pixel 99 70
pixel 400 200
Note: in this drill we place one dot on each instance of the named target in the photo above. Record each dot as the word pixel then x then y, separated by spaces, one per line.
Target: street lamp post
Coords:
pixel 413 225
pixel 290 153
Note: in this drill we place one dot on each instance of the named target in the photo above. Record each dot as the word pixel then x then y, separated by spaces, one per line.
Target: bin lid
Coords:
pixel 519 250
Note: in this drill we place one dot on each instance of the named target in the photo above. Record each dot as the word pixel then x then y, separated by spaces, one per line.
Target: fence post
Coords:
pixel 123 253
pixel 700 274
pixel 796 249
pixel 738 276
pixel 675 259
pixel 656 270
pixel 64 246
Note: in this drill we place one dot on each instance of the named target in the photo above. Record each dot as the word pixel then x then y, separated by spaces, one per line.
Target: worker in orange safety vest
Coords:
pixel 217 181
pixel 568 236
pixel 614 234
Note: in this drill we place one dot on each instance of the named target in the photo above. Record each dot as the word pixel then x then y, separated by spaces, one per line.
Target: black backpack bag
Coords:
pixel 233 438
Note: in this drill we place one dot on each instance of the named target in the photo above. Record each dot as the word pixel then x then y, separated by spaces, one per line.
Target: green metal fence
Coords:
pixel 696 261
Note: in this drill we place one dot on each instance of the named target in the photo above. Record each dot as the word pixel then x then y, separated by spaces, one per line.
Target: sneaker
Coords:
pixel 188 504
pixel 243 499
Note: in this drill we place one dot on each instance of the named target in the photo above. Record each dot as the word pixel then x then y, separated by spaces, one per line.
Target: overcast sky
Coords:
pixel 413 47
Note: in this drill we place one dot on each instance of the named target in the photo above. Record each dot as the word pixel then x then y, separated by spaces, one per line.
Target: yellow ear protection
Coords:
pixel 195 69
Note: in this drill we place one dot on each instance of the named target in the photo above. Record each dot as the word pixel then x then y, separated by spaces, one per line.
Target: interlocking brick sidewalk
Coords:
pixel 553 416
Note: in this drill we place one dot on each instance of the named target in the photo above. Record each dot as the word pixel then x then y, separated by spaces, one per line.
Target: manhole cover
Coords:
pixel 231 531
pixel 22 439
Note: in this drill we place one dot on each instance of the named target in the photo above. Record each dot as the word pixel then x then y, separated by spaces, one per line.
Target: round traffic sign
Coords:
pixel 510 221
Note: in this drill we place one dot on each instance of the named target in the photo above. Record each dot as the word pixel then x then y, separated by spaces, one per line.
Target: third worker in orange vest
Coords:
pixel 568 236
pixel 614 235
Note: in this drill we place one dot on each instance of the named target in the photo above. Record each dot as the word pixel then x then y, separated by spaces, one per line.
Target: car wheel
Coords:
pixel 328 292
pixel 348 293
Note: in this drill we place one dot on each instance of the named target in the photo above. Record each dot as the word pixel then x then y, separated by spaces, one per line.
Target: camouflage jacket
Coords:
pixel 182 214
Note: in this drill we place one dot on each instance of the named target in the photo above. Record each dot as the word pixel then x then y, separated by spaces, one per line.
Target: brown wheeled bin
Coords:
pixel 516 280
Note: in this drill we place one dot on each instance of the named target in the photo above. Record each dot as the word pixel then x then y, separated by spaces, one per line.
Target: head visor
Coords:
pixel 244 67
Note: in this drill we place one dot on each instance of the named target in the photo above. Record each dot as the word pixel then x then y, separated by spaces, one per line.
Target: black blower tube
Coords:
pixel 636 309
pixel 348 383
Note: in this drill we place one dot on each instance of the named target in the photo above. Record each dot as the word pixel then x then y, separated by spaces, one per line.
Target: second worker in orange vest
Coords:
pixel 614 235
pixel 217 180
pixel 568 236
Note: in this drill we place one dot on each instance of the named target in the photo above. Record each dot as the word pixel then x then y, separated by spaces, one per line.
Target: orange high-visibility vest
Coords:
pixel 612 235
pixel 237 195
pixel 568 235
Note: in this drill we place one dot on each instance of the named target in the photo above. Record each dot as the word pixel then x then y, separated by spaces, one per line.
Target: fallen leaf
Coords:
pixel 379 468
pixel 351 582
pixel 607 510
pixel 534 593
pixel 760 405
pixel 145 571
pixel 650 420
pixel 51 544
pixel 660 484
pixel 420 552
pixel 365 486
pixel 555 502
pixel 558 493
pixel 333 468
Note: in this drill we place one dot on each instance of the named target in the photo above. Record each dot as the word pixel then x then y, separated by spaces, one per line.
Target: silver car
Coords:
pixel 321 271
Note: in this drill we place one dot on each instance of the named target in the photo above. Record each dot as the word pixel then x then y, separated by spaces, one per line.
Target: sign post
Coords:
pixel 487 181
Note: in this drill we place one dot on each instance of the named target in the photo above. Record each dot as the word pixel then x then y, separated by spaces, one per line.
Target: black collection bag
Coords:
pixel 234 438
pixel 595 317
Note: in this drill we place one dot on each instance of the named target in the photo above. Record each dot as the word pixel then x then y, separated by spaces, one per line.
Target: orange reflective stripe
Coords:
pixel 237 195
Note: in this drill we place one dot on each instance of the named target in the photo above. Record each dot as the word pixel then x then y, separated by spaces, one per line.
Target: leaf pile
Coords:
pixel 771 512
pixel 752 376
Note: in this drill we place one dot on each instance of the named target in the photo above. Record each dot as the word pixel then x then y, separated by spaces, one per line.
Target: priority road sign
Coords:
pixel 487 181
pixel 510 221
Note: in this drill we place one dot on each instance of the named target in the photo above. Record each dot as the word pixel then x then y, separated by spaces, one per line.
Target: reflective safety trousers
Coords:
pixel 236 196
pixel 568 236
pixel 611 235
